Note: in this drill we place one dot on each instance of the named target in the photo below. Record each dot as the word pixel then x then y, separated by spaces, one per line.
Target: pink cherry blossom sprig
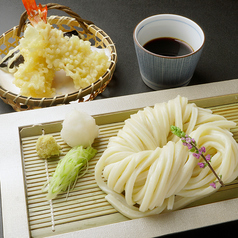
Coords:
pixel 197 153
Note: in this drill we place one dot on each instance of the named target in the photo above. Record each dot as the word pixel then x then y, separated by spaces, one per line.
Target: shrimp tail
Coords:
pixel 35 13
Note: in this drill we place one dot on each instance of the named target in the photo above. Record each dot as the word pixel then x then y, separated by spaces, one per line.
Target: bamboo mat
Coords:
pixel 85 206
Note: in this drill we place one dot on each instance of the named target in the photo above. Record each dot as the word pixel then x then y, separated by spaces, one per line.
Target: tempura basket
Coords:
pixel 92 33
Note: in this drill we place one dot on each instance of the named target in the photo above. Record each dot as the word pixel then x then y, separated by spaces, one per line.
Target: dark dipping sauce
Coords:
pixel 169 47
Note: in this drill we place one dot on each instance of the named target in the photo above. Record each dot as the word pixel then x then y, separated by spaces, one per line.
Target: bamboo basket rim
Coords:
pixel 21 103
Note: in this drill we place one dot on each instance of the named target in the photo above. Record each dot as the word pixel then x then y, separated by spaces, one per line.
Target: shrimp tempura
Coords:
pixel 46 50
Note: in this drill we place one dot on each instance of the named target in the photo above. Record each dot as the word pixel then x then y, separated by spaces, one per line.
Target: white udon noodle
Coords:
pixel 145 164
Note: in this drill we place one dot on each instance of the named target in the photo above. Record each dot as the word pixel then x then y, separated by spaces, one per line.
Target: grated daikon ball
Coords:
pixel 79 128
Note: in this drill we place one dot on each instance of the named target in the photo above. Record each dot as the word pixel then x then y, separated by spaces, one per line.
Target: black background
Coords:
pixel 118 18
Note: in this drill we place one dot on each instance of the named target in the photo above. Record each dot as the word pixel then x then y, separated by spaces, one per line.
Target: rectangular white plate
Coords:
pixel 15 200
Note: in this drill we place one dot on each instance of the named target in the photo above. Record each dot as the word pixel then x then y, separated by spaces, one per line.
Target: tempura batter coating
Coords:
pixel 46 50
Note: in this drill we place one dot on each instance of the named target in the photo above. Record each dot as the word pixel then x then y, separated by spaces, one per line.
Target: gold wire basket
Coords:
pixel 92 33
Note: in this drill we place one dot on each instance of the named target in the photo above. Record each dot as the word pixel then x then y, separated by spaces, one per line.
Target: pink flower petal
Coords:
pixel 188 140
pixel 208 157
pixel 196 155
pixel 189 146
pixel 203 149
pixel 213 185
pixel 201 165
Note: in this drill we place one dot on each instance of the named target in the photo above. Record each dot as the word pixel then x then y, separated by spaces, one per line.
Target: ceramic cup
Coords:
pixel 158 71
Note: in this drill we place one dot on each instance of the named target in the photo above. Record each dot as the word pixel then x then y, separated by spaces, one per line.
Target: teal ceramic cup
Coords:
pixel 166 71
